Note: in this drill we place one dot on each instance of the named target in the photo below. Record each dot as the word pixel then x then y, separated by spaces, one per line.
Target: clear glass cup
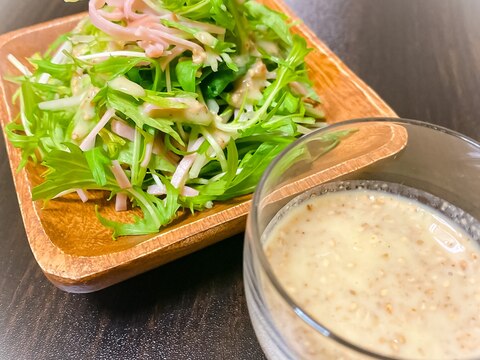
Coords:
pixel 415 154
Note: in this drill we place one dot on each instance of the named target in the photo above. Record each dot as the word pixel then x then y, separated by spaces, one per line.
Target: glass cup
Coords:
pixel 363 153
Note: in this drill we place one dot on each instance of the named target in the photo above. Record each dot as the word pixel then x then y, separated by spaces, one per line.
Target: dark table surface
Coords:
pixel 422 57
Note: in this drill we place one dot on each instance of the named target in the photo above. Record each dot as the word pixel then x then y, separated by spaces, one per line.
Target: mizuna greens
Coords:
pixel 165 104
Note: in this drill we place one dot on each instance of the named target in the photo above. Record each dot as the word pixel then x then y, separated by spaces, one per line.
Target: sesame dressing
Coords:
pixel 381 270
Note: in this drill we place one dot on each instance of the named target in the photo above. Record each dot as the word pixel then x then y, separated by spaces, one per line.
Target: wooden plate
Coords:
pixel 72 248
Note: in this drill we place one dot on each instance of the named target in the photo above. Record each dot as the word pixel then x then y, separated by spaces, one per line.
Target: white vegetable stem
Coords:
pixel 126 86
pixel 61 104
pixel 107 54
pixel 20 67
pixel 58 58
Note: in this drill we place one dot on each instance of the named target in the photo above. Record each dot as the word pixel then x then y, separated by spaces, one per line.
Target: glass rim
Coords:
pixel 256 238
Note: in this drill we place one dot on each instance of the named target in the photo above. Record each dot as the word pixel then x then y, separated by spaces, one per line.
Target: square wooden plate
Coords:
pixel 74 250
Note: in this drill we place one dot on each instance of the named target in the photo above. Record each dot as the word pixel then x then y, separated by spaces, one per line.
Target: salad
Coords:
pixel 164 104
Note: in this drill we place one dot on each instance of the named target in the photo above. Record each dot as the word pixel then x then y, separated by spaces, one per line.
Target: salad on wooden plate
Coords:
pixel 170 110
pixel 164 104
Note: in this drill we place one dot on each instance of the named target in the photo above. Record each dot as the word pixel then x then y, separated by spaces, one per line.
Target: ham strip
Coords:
pixel 181 174
pixel 121 202
pixel 158 190
pixel 89 141
pixel 120 175
pixel 143 26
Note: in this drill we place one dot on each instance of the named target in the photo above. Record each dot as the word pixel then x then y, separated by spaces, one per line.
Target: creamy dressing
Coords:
pixel 251 85
pixel 384 272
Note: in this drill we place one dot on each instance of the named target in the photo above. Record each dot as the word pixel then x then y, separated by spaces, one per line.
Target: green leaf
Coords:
pixel 193 9
pixel 216 83
pixel 252 168
pixel 156 212
pixel 30 102
pixel 274 20
pixel 62 72
pixel 28 144
pixel 289 104
pixel 160 163
pixel 49 91
pixel 97 160
pixel 69 170
pixel 147 76
pixel 186 72
pixel 130 107
pixel 112 141
pixel 221 15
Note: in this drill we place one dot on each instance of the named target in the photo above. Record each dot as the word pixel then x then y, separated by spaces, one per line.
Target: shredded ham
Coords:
pixel 63 193
pixel 107 26
pixel 130 12
pixel 195 145
pixel 89 141
pixel 173 54
pixel 158 190
pixel 115 3
pixel 121 202
pixel 83 195
pixel 189 192
pixel 181 173
pixel 120 175
pixel 143 26
pixel 112 16
pixel 122 129
pixel 148 155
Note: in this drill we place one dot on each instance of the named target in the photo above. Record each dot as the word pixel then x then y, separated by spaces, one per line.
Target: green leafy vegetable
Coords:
pixel 180 106
pixel 186 72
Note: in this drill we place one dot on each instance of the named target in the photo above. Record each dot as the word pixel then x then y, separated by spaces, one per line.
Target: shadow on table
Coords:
pixel 210 272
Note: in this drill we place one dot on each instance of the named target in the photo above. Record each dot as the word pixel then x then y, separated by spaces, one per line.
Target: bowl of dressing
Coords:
pixel 363 242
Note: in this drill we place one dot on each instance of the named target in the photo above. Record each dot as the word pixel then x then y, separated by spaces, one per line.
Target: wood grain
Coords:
pixel 422 57
pixel 88 260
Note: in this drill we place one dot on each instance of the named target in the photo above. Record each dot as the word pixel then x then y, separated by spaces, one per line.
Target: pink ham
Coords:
pixel 121 202
pixel 148 154
pixel 108 27
pixel 120 175
pixel 122 129
pixel 143 26
pixel 89 141
pixel 158 190
pixel 83 195
pixel 181 173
